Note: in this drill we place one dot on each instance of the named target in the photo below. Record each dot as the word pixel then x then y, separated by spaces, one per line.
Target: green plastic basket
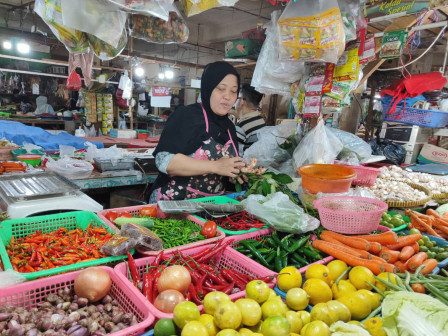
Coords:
pixel 69 220
pixel 21 151
pixel 223 200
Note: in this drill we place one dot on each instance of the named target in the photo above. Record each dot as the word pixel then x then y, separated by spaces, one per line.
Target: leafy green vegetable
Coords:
pixel 414 314
pixel 346 329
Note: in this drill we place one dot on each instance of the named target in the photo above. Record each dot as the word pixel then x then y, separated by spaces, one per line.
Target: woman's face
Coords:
pixel 224 95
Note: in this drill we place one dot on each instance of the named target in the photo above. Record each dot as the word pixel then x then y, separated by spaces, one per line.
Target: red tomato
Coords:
pixel 209 229
pixel 125 214
pixel 148 211
pixel 111 216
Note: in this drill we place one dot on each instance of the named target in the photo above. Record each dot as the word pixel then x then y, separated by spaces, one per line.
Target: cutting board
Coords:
pixel 431 168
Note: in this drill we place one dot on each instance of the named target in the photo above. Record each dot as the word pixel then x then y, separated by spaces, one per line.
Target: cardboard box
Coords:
pixel 242 47
pixel 433 154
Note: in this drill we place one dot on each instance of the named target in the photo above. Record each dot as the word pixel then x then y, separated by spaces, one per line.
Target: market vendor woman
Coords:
pixel 197 150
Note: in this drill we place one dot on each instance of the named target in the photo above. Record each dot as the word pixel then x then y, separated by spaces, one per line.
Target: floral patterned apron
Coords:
pixel 184 187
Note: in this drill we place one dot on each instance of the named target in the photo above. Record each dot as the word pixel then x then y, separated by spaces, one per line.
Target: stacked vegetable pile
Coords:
pixel 385 252
pixel 170 280
pixel 241 221
pixel 432 223
pixel 40 251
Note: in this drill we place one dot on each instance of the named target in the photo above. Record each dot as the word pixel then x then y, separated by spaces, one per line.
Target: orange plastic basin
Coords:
pixel 326 178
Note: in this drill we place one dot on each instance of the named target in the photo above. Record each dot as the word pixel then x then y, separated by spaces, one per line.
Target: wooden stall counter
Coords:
pixel 108 141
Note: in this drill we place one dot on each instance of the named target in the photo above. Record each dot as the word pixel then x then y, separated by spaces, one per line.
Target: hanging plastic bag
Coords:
pixel 349 12
pixel 98 18
pixel 157 8
pixel 157 30
pixel 193 7
pixel 105 51
pixel 311 30
pixel 74 81
pixel 352 143
pixel 280 213
pixel 50 11
pixel 318 146
pixel 125 85
pixel 272 76
pixel 121 102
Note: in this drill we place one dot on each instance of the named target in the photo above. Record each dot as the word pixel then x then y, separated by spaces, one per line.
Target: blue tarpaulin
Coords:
pixel 19 133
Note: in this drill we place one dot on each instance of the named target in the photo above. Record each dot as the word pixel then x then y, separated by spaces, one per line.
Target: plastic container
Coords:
pixel 268 233
pixel 30 159
pixel 415 116
pixel 230 259
pixel 223 200
pixel 365 176
pixel 349 214
pixel 326 178
pixel 107 164
pixel 134 210
pixel 142 134
pixel 69 220
pixel 29 294
pixel 22 151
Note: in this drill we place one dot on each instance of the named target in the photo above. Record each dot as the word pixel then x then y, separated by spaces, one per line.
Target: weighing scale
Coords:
pixel 23 195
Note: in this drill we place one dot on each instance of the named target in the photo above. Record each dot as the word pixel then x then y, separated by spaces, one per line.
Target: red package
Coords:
pixel 74 81
pixel 329 70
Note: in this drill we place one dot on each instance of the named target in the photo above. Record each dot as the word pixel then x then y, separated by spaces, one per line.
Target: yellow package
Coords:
pixel 196 8
pixel 317 37
pixel 347 67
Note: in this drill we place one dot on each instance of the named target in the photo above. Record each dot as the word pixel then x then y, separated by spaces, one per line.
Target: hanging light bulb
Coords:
pixel 161 75
pixel 169 74
pixel 23 47
pixel 7 44
pixel 139 71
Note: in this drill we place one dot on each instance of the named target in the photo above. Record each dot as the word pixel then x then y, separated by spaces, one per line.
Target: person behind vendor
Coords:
pixel 250 119
pixel 197 152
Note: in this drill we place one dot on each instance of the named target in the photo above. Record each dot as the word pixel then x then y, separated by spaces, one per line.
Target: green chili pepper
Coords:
pixel 299 243
pixel 255 253
pixel 278 242
pixel 278 264
pixel 310 252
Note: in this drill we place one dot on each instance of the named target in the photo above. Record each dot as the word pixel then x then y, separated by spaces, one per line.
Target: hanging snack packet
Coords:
pixel 311 30
pixel 118 245
pixel 311 106
pixel 104 51
pixel 329 74
pixel 314 85
pixel 339 90
pixel 347 67
pixel 146 239
pixel 368 53
pixel 393 43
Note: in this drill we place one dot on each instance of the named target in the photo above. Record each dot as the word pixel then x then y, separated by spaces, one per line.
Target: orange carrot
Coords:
pixel 375 247
pixel 358 243
pixel 388 237
pixel 430 264
pixel 406 253
pixel 355 252
pixel 390 256
pixel 415 261
pixel 415 246
pixel 400 266
pixel 445 215
pixel 405 240
pixel 425 226
pixel 418 288
pixel 332 249
pixel 432 212
pixel 438 224
pixel 374 257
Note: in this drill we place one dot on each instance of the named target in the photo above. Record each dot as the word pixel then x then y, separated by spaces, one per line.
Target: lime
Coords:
pixel 316 328
pixel 209 323
pixel 194 328
pixel 295 322
pixel 185 312
pixel 228 332
pixel 250 311
pixel 318 271
pixel 337 267
pixel 212 299
pixel 164 327
pixel 227 315
pixel 297 299
pixel 258 290
pixel 275 326
pixel 245 332
pixel 318 291
pixel 359 276
pixel 289 277
pixel 273 307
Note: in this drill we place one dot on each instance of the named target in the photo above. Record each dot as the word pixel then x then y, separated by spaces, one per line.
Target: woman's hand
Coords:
pixel 228 166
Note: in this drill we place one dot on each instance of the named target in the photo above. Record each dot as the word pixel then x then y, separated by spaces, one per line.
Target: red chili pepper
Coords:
pixel 207 283
pixel 214 251
pixel 155 281
pixel 227 274
pixel 229 288
pixel 199 254
pixel 194 295
pixel 268 278
pixel 157 260
pixel 147 286
pixel 133 268
pixel 188 297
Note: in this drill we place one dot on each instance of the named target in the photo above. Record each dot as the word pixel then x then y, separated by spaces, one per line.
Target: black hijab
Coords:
pixel 185 129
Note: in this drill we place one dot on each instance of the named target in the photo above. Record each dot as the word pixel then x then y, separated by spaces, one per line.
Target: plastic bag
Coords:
pixel 105 51
pixel 70 168
pixel 118 245
pixel 352 143
pixel 156 30
pixel 146 239
pixel 271 76
pixel 193 7
pixel 318 146
pixel 98 18
pixel 349 11
pixel 311 30
pixel 125 85
pixel 391 150
pixel 10 277
pixel 157 8
pixel 74 81
pixel 50 11
pixel 279 212
pixel 65 150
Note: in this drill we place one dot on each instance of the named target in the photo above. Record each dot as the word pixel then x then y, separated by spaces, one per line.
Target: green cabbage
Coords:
pixel 346 329
pixel 414 314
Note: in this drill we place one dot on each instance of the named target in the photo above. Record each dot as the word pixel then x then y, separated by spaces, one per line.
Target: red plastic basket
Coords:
pixel 365 176
pixel 267 233
pixel 29 294
pixel 134 210
pixel 230 259
pixel 349 214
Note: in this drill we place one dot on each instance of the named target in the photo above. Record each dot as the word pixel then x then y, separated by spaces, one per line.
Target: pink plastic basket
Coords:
pixel 267 233
pixel 29 294
pixel 230 259
pixel 350 215
pixel 365 176
pixel 134 210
